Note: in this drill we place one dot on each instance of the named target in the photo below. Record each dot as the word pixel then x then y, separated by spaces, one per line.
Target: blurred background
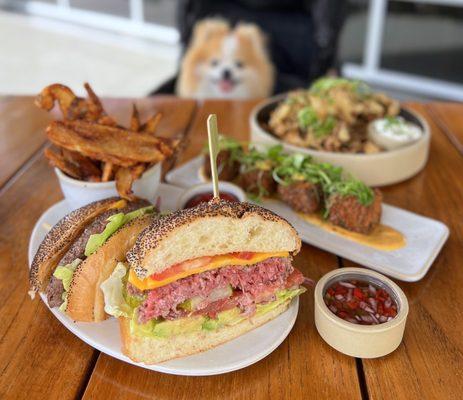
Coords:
pixel 128 48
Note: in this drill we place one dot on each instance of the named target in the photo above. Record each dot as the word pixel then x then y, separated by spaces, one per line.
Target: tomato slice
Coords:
pixel 181 267
pixel 243 255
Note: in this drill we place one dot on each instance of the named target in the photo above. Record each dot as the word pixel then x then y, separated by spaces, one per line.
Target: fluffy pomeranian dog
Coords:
pixel 222 62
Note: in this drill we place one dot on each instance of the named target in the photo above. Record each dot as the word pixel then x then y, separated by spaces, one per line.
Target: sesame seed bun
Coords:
pixel 152 350
pixel 213 228
pixel 85 300
pixel 60 238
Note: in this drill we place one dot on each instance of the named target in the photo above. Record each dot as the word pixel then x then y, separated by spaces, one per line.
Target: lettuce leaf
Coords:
pixel 65 273
pixel 116 221
pixel 113 292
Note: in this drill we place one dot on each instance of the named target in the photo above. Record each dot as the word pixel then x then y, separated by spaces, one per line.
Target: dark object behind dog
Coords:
pixel 303 35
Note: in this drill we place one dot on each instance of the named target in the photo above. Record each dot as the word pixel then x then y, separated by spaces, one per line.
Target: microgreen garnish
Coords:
pixel 323 85
pixel 299 167
pixel 353 187
pixel 228 144
pixel 395 122
pixel 308 118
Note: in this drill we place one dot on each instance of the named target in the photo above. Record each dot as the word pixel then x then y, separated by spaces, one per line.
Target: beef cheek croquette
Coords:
pixel 227 168
pixel 303 196
pixel 258 182
pixel 347 212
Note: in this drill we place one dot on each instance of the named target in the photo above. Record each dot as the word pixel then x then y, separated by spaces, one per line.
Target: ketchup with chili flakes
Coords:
pixel 207 196
pixel 360 302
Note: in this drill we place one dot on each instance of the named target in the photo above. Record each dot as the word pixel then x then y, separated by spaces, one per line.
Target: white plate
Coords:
pixel 424 236
pixel 104 336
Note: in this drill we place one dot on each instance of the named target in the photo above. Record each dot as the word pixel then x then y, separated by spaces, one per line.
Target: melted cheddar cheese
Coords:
pixel 213 263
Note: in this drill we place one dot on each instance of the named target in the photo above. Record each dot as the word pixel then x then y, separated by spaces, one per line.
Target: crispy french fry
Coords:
pixel 152 123
pixel 109 144
pixel 107 172
pixel 135 119
pixel 137 170
pixel 86 165
pixel 107 120
pixel 56 92
pixel 124 180
pixel 96 111
pixel 95 106
pixel 94 178
pixel 93 147
pixel 58 161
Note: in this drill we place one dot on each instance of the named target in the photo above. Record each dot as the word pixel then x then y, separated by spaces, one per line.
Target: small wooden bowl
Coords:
pixel 364 341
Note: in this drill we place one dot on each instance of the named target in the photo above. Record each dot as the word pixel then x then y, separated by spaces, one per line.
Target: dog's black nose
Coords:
pixel 226 74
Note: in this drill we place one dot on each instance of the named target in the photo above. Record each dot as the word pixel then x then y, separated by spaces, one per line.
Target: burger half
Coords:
pixel 200 277
pixel 82 250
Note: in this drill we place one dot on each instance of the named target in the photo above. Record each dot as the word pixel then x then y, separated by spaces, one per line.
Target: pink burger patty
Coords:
pixel 253 284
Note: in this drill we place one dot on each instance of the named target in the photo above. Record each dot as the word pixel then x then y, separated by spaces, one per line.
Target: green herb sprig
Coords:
pixel 226 143
pixel 324 85
pixel 300 167
pixel 353 187
pixel 308 118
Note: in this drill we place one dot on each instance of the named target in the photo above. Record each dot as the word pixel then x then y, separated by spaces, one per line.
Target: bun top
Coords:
pixel 61 236
pixel 213 228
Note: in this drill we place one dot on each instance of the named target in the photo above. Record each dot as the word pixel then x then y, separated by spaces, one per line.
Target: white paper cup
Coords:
pixel 364 341
pixel 79 193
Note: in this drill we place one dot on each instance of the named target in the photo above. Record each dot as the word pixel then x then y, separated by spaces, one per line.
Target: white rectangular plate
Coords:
pixel 424 236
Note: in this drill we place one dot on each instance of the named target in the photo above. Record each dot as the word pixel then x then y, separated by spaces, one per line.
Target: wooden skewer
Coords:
pixel 213 136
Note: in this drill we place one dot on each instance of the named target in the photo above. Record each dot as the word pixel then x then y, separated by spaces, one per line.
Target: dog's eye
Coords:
pixel 214 62
pixel 239 64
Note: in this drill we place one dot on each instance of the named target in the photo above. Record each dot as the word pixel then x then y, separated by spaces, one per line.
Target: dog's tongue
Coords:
pixel 225 85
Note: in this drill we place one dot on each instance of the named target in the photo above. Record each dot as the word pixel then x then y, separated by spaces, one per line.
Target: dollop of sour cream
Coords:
pixel 393 132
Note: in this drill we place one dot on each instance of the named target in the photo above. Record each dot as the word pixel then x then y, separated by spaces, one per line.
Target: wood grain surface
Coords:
pixel 22 133
pixel 40 359
pixel 449 119
pixel 429 362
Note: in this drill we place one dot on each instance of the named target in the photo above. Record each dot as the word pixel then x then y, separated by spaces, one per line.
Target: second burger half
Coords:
pixel 200 277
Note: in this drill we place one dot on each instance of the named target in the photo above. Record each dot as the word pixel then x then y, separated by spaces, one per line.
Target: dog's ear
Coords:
pixel 207 28
pixel 253 34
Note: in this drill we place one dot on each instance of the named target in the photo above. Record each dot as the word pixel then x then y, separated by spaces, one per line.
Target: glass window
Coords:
pixel 161 12
pixel 420 39
pixel 113 7
pixel 424 39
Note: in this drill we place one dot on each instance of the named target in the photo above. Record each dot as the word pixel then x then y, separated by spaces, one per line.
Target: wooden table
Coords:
pixel 40 359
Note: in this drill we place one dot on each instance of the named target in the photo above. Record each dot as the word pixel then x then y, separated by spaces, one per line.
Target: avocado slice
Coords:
pixel 165 329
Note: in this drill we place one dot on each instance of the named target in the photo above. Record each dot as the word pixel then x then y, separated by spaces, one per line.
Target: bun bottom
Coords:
pixel 153 350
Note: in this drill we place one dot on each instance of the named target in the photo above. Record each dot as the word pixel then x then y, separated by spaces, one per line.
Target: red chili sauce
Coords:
pixel 207 196
pixel 360 302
